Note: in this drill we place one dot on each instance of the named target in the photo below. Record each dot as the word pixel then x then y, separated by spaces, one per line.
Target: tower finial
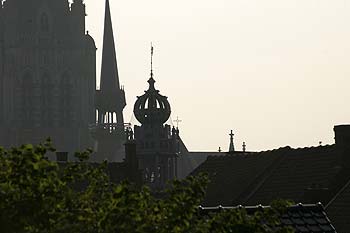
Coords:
pixel 232 147
pixel 152 60
pixel 177 121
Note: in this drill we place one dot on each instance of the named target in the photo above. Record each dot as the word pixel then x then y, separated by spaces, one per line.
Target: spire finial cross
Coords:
pixel 177 121
pixel 231 134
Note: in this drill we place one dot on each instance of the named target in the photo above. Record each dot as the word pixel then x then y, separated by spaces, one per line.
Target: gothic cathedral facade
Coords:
pixel 47 74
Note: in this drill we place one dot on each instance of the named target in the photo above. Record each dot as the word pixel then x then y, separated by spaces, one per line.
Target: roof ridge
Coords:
pixel 268 170
pixel 319 205
pixel 215 154
pixel 297 148
pixel 338 193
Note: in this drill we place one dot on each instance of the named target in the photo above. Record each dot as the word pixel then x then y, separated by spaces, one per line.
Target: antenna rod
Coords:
pixel 151 60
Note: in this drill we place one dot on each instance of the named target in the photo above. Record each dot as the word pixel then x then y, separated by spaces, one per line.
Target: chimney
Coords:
pixel 62 157
pixel 342 136
pixel 342 143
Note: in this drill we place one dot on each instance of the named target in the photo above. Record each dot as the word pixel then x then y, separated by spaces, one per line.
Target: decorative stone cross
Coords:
pixel 177 121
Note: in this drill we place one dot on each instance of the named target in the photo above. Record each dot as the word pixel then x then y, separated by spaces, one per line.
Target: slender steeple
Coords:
pixel 109 73
pixel 110 100
pixel 111 97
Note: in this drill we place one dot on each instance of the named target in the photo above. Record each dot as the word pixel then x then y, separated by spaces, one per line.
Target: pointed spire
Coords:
pixel 110 97
pixel 232 147
pixel 109 70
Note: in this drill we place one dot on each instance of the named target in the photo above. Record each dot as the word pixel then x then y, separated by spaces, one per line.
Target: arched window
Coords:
pixel 44 23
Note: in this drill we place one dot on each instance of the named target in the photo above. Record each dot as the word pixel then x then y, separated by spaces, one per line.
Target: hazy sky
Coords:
pixel 275 71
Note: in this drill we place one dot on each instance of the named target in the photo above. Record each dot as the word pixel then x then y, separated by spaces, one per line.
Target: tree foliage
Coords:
pixel 38 195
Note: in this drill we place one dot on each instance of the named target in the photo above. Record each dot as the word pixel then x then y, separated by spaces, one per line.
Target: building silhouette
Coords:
pixel 48 80
pixel 157 143
pixel 48 89
pixel 110 101
pixel 47 74
pixel 303 175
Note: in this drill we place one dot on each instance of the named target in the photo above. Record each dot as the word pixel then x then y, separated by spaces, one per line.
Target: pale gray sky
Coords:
pixel 275 71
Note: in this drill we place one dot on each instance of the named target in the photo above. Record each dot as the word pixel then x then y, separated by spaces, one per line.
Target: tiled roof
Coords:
pixel 265 176
pixel 302 218
pixel 299 170
pixel 230 175
pixel 338 209
pixel 188 161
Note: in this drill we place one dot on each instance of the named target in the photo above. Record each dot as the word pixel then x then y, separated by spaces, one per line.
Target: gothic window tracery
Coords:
pixel 44 23
pixel 26 60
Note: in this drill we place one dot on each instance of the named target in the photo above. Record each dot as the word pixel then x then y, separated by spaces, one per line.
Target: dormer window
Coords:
pixel 44 23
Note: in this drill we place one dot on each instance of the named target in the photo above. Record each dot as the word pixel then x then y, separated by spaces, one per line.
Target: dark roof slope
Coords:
pixel 339 209
pixel 188 161
pixel 230 175
pixel 298 170
pixel 265 176
pixel 302 218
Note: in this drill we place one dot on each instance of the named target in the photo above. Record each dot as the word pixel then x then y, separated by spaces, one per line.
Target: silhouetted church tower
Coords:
pixel 48 74
pixel 157 143
pixel 110 101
